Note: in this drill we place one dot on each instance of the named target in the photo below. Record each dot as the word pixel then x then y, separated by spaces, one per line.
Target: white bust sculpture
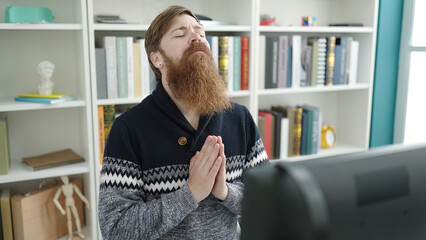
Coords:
pixel 45 71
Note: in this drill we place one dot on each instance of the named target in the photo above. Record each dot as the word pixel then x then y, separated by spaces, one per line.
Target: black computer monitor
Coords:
pixel 377 194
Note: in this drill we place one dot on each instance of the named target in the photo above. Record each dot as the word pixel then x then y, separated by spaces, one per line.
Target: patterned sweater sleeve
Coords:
pixel 124 212
pixel 255 156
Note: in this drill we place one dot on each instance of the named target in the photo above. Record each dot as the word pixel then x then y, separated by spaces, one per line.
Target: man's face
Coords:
pixel 191 74
pixel 183 31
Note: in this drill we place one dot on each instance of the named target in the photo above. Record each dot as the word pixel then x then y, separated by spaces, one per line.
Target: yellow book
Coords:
pixel 101 129
pixel 37 95
pixel 6 214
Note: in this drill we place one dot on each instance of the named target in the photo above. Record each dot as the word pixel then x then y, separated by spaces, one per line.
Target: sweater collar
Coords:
pixel 169 108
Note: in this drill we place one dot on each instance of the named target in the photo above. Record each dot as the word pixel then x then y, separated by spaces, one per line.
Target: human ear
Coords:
pixel 156 59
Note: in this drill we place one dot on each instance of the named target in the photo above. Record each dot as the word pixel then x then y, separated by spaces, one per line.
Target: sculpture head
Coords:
pixel 45 70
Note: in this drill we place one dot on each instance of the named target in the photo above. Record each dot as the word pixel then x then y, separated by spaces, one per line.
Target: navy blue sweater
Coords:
pixel 143 191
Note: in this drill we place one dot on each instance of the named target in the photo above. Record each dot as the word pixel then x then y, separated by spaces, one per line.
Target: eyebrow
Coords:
pixel 183 28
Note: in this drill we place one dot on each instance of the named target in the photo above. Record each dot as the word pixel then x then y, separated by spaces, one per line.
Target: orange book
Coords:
pixel 267 141
pixel 101 133
pixel 245 62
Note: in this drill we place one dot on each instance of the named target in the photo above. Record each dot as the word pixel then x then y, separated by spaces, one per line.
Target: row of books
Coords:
pixel 123 70
pixel 106 116
pixel 289 131
pixel 231 55
pixel 299 61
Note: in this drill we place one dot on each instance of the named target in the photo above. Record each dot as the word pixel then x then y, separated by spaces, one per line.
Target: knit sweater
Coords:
pixel 143 191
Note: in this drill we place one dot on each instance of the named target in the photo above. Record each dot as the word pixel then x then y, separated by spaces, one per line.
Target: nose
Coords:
pixel 195 37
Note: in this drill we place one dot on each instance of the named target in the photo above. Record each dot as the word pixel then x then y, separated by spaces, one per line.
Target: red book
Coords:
pixel 245 62
pixel 267 141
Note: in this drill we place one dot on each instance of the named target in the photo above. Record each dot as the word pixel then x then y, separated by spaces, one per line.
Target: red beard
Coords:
pixel 196 81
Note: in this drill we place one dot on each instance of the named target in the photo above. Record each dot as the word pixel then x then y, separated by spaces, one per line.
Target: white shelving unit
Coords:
pixel 36 129
pixel 70 44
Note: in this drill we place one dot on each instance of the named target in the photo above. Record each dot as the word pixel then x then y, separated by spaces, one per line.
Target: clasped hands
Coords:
pixel 207 170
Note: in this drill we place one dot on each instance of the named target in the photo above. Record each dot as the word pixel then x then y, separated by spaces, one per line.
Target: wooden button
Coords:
pixel 182 141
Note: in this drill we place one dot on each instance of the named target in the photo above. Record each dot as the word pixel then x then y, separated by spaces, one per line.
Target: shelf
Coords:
pixel 19 171
pixel 9 105
pixel 293 29
pixel 242 93
pixel 119 101
pixel 276 91
pixel 40 26
pixel 339 149
pixel 119 27
pixel 142 27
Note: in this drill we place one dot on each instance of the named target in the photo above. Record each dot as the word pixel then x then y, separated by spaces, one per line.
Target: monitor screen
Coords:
pixel 376 194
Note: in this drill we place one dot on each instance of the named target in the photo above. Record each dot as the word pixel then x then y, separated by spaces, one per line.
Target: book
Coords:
pixel 230 63
pixel 6 214
pixel 223 58
pixel 245 62
pixel 137 76
pixel 4 146
pixel 215 50
pixel 122 81
pixel 287 113
pixel 109 43
pixel 53 159
pixel 38 95
pixel 109 113
pixel 101 78
pixel 276 132
pixel 284 138
pixel 130 68
pixel 330 60
pixel 296 42
pixel 237 63
pixel 45 100
pixel 282 61
pixel 303 141
pixel 271 62
pixel 101 132
pixel 321 63
pixel 262 58
pixel 267 140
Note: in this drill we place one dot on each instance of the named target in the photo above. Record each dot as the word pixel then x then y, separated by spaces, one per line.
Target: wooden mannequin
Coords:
pixel 68 190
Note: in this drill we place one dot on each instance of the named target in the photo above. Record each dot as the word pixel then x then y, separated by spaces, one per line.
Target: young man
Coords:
pixel 166 171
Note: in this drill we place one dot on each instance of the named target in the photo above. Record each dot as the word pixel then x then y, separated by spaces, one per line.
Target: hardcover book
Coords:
pixel 53 159
pixel 38 95
pixel 45 100
pixel 4 146
pixel 101 78
pixel 6 214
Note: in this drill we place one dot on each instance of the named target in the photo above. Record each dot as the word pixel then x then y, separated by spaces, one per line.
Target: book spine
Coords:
pixel 101 71
pixel 130 68
pixel 4 146
pixel 304 45
pixel 329 72
pixel 230 63
pixel 353 62
pixel 109 43
pixel 284 138
pixel 121 48
pixel 223 58
pixel 322 58
pixel 215 50
pixel 237 63
pixel 282 61
pixel 262 59
pixel 137 77
pixel 271 62
pixel 297 131
pixel 101 130
pixel 145 69
pixel 109 113
pixel 245 62
pixel 314 64
pixel 6 214
pixel 296 51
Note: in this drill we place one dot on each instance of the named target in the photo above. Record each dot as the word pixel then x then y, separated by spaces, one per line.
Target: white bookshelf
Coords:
pixel 70 44
pixel 34 128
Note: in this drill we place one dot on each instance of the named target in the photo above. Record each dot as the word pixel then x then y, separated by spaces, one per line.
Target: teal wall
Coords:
pixel 386 72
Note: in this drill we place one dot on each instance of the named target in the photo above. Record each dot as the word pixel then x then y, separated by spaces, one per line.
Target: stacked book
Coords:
pixel 47 99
